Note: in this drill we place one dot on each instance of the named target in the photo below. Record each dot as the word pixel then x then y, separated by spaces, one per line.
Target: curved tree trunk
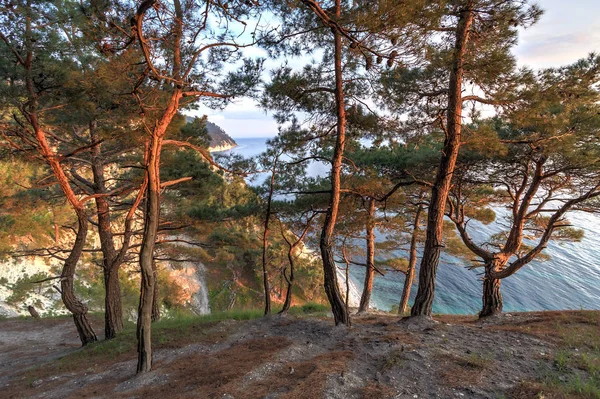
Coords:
pixel 76 307
pixel 332 289
pixel 290 281
pixel 365 298
pixel 412 263
pixel 441 188
pixel 151 223
pixel 67 291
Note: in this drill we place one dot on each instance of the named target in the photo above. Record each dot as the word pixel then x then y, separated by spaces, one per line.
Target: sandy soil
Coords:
pixel 288 357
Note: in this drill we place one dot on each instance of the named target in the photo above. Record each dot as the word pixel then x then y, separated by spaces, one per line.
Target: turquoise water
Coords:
pixel 570 279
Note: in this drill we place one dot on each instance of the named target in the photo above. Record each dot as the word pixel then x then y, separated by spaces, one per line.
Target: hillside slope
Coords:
pixel 521 355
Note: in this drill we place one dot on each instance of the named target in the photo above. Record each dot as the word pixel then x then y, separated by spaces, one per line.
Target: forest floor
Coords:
pixel 519 355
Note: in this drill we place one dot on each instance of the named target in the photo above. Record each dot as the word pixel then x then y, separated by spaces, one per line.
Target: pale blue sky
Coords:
pixel 568 30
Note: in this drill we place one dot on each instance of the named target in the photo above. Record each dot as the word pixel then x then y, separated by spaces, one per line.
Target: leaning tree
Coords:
pixel 30 95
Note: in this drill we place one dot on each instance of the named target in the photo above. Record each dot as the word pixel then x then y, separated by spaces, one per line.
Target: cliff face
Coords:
pixel 219 140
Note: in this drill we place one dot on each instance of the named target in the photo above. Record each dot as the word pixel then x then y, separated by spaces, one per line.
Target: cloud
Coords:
pixel 555 50
pixel 566 32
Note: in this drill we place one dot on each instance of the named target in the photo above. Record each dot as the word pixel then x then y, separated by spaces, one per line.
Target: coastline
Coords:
pixel 221 148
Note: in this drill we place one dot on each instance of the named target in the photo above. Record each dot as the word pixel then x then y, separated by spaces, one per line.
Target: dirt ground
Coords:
pixel 380 356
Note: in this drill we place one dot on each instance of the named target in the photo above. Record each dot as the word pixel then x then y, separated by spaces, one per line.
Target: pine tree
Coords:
pixel 462 45
pixel 540 160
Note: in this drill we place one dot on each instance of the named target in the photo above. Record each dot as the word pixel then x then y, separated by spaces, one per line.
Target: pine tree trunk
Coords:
pixel 492 297
pixel 67 292
pixel 67 289
pixel 151 223
pixel 34 313
pixel 113 313
pixel 151 220
pixel 290 282
pixel 266 286
pixel 365 298
pixel 441 188
pixel 412 263
pixel 155 297
pixel 332 289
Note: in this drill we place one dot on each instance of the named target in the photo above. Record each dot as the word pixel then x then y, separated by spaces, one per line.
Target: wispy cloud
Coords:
pixel 554 50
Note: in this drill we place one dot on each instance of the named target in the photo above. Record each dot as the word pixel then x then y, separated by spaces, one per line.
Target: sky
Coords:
pixel 568 30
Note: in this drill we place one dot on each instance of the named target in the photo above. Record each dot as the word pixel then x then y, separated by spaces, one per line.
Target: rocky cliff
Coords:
pixel 219 140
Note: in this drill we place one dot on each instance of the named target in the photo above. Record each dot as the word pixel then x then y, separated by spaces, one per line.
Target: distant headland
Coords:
pixel 219 140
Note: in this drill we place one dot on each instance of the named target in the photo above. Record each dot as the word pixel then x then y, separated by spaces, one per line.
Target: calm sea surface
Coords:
pixel 570 279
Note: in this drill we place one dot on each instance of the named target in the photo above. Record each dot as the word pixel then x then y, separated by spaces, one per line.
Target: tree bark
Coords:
pixel 332 289
pixel 151 221
pixel 265 261
pixel 113 310
pixel 365 298
pixel 492 297
pixel 34 313
pixel 439 193
pixel 67 290
pixel 290 281
pixel 412 263
pixel 155 297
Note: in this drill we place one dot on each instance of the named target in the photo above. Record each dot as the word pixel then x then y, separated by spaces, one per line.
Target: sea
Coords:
pixel 568 279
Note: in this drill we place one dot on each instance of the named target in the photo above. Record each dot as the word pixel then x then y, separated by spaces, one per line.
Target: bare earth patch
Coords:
pixel 521 355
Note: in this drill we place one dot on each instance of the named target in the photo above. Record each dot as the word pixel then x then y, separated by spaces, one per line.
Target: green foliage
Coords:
pixel 196 131
pixel 399 264
pixel 23 287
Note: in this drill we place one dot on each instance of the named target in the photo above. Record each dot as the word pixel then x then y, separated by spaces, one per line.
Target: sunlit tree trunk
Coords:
pixel 492 297
pixel 365 298
pixel 265 260
pixel 331 285
pixel 412 263
pixel 441 188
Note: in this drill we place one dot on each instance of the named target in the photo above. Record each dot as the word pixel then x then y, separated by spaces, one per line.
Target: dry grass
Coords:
pixel 299 380
pixel 212 375
pixel 253 368
pixel 377 391
pixel 460 371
